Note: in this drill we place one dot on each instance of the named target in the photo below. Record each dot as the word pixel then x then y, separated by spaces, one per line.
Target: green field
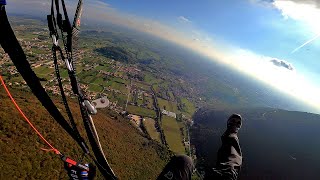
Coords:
pixel 169 106
pixel 140 101
pixel 16 79
pixel 119 80
pixel 141 111
pixel 39 51
pixel 119 73
pixel 99 81
pixel 156 88
pixel 187 106
pixel 118 86
pixel 150 79
pixel 89 79
pixel 142 86
pixel 79 68
pixel 95 88
pixel 122 99
pixel 44 71
pixel 64 73
pixel 171 96
pixel 106 68
pixel 150 102
pixel 152 131
pixel 173 136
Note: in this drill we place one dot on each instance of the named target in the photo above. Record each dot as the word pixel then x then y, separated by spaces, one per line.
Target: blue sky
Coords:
pixel 261 38
pixel 269 29
pixel 238 22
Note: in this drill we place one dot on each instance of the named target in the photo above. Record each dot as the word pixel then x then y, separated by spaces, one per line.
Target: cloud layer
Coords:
pixel 184 19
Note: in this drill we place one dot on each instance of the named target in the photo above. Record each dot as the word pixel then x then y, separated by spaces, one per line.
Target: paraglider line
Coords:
pixel 26 118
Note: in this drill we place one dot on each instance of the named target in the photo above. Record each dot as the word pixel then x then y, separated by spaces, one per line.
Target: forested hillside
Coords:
pixel 131 155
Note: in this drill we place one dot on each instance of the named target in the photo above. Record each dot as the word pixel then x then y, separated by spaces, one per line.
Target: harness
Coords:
pixel 60 28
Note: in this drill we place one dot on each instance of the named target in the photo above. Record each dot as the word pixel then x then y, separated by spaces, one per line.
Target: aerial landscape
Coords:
pixel 163 98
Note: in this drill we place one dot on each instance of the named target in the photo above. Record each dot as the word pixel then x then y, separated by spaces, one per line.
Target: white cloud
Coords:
pixel 305 11
pixel 312 2
pixel 183 19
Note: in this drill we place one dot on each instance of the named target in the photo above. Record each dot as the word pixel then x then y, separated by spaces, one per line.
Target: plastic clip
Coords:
pixel 55 41
pixel 74 163
pixel 69 65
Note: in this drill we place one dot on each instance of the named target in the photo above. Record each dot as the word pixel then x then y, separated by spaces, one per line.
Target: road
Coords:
pixel 129 90
pixel 158 118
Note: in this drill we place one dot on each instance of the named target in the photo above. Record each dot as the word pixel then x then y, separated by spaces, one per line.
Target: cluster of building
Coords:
pixel 135 118
pixel 130 69
pixel 90 67
pixel 30 46
pixel 168 113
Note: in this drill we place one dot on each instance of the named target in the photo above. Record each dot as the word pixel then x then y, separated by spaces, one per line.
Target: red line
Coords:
pixel 25 117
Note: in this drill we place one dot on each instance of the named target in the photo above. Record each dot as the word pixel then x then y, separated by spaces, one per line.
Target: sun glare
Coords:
pixel 288 81
pixel 307 13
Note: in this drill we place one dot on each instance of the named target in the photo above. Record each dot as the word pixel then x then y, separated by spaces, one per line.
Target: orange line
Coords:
pixel 25 117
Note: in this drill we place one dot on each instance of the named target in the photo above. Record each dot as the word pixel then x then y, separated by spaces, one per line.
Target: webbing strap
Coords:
pixel 101 160
pixel 64 98
pixel 11 46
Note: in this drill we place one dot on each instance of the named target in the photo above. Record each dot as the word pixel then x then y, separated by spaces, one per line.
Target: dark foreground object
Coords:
pixel 179 167
pixel 229 158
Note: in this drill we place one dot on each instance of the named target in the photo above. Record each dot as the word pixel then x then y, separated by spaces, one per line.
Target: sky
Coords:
pixel 274 41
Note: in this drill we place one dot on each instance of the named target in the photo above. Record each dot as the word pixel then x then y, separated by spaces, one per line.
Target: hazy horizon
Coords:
pixel 254 56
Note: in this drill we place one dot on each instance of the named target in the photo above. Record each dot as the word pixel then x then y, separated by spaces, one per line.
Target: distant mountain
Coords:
pixel 276 144
pixel 130 154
